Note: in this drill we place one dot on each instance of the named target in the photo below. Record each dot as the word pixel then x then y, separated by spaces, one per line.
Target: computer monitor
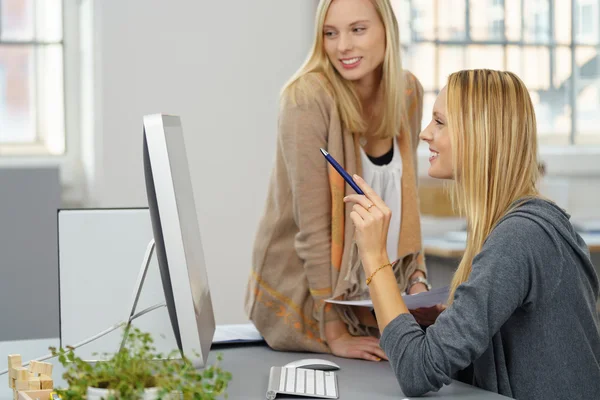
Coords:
pixel 177 236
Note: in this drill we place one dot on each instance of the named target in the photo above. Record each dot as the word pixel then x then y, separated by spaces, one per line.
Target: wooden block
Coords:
pixel 46 382
pixel 47 369
pixel 21 385
pixel 34 383
pixel 11 378
pixel 35 395
pixel 21 374
pixel 14 360
pixel 37 367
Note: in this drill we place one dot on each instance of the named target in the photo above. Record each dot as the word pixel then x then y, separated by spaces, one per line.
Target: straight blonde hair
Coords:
pixel 391 115
pixel 494 139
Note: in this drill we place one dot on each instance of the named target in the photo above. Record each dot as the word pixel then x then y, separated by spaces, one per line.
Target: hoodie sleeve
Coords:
pixel 502 279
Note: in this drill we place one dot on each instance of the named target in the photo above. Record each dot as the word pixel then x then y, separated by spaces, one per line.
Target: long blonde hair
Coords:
pixel 343 91
pixel 493 134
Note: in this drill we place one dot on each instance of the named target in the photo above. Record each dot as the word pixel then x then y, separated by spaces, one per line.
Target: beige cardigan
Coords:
pixel 292 269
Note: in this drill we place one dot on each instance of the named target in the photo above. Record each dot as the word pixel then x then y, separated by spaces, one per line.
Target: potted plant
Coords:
pixel 137 371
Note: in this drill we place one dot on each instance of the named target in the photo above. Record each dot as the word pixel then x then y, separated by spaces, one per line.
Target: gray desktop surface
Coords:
pixel 357 379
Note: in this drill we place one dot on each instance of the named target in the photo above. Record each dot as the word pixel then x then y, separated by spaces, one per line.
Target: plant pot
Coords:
pixel 98 394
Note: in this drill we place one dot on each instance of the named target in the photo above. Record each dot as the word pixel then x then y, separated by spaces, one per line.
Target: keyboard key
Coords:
pixel 300 374
pixel 291 380
pixel 330 384
pixel 320 382
pixel 282 380
pixel 310 381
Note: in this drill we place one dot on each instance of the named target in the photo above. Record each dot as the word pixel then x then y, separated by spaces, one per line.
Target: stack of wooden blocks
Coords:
pixel 33 383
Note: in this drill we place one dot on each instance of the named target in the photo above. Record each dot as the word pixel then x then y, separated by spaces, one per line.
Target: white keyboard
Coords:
pixel 302 382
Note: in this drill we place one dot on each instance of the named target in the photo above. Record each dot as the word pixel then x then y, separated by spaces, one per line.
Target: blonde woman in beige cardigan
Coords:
pixel 351 92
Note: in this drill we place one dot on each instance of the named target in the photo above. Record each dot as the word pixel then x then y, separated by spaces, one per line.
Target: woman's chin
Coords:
pixel 433 172
pixel 353 74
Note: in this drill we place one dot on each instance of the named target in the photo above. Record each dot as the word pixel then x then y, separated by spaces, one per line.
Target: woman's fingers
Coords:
pixel 369 192
pixel 358 199
pixel 361 200
pixel 372 344
pixel 365 355
pixel 370 339
pixel 378 351
pixel 362 211
pixel 371 353
pixel 356 219
pixel 373 197
pixel 361 203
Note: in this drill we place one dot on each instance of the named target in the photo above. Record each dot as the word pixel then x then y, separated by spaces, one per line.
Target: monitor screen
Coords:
pixel 177 236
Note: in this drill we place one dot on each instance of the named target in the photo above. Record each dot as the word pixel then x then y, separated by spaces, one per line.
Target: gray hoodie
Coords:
pixel 525 321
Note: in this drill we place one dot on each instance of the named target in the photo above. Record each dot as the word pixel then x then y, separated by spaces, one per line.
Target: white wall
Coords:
pixel 220 66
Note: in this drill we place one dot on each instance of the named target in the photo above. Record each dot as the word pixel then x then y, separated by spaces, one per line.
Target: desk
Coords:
pixel 357 379
pixel 440 246
pixel 249 365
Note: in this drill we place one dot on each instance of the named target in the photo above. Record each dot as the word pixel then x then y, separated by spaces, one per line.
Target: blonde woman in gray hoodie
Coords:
pixel 522 307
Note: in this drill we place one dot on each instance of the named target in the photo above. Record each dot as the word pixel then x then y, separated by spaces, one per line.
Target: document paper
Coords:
pixel 236 333
pixel 413 301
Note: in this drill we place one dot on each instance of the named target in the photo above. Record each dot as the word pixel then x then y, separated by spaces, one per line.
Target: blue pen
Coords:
pixel 342 172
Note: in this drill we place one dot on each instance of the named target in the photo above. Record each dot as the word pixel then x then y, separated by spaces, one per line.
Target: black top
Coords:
pixel 384 159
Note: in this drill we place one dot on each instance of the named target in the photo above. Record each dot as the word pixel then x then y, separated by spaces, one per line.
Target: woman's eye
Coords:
pixel 329 34
pixel 359 29
pixel 438 122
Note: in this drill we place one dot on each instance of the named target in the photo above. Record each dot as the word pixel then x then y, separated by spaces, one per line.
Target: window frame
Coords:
pixel 569 160
pixel 69 163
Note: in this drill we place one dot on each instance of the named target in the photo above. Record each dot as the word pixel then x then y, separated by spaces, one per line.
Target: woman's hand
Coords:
pixel 371 217
pixel 343 344
pixel 417 288
pixel 427 315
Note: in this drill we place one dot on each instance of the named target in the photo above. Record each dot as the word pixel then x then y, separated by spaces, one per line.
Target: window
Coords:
pixel 32 111
pixel 497 29
pixel 588 15
pixel 586 27
pixel 552 45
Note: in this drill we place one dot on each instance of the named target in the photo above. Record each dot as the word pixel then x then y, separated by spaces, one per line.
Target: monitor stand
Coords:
pixel 138 290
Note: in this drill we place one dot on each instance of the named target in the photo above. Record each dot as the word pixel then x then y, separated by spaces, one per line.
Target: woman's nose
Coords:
pixel 425 135
pixel 344 43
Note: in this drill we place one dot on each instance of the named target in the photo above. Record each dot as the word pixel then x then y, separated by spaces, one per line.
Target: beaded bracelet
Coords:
pixel 377 270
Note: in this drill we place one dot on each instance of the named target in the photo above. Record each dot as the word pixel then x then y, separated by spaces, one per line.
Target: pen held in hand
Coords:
pixel 341 171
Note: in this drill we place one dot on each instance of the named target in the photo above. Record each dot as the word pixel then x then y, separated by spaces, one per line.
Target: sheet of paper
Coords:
pixel 414 301
pixel 236 333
